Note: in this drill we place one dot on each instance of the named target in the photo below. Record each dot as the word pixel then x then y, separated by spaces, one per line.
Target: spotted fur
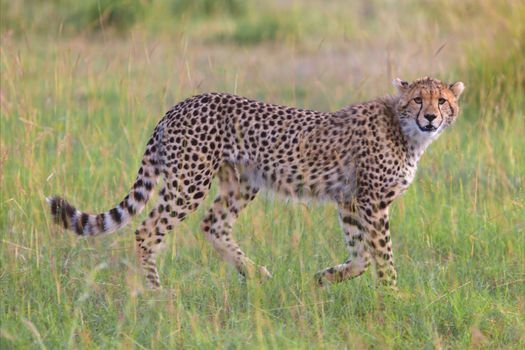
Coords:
pixel 361 157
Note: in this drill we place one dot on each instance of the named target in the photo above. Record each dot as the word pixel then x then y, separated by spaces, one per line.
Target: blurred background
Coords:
pixel 82 85
pixel 278 50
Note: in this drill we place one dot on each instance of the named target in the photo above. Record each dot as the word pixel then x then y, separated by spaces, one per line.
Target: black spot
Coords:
pixel 70 211
pixel 84 219
pixel 66 212
pixel 100 222
pixel 115 215
pixel 54 206
pixel 198 195
pixel 138 196
pixel 131 210
pixel 350 220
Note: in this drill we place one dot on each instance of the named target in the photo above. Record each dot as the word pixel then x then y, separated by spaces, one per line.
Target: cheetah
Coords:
pixel 361 157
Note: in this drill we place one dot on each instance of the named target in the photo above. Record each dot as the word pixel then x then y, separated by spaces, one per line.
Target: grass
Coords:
pixel 77 108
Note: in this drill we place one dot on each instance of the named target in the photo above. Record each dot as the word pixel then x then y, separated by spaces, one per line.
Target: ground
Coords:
pixel 73 97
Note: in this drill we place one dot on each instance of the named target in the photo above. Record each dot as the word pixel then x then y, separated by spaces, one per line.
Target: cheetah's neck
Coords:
pixel 416 140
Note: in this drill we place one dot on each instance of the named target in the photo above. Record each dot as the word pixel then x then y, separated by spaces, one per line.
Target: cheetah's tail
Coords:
pixel 85 224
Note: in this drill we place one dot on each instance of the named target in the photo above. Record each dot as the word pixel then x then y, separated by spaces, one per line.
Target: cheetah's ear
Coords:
pixel 457 88
pixel 400 85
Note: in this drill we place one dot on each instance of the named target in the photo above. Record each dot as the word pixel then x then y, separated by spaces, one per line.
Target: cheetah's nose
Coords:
pixel 430 117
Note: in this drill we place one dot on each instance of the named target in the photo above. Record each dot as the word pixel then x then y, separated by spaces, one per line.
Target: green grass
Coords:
pixel 77 108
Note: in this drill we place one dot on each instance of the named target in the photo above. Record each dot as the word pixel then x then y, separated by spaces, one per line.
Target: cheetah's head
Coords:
pixel 426 107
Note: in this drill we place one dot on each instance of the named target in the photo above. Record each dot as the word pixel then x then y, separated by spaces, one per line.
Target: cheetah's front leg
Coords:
pixel 375 221
pixel 358 259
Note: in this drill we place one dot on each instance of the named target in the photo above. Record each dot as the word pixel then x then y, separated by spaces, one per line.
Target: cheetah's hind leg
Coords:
pixel 235 192
pixel 176 201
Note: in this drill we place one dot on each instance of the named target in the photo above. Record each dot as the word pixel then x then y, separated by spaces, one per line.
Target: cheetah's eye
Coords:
pixel 418 100
pixel 441 101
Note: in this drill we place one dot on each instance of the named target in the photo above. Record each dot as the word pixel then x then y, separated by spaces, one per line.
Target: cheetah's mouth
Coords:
pixel 427 128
